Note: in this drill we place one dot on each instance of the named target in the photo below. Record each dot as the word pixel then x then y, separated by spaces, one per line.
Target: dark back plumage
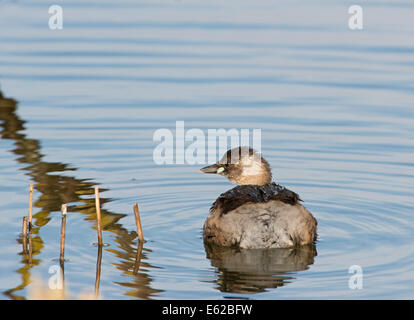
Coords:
pixel 243 194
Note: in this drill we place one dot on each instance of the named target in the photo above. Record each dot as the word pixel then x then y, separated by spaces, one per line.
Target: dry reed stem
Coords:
pixel 30 206
pixel 62 233
pixel 138 223
pixel 24 234
pixel 98 216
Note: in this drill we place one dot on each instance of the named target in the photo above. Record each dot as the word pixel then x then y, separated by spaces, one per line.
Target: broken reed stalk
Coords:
pixel 62 233
pixel 30 206
pixel 24 234
pixel 98 215
pixel 138 223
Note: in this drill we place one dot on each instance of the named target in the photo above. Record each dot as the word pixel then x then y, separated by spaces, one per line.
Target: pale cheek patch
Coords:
pixel 220 170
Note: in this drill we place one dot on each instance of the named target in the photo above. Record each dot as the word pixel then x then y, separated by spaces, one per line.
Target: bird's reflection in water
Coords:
pixel 255 270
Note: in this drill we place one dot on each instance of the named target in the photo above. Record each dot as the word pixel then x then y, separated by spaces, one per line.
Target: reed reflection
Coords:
pixel 132 262
pixel 98 272
pixel 255 270
pixel 54 189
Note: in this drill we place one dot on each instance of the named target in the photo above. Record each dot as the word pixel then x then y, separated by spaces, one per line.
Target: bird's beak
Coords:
pixel 214 168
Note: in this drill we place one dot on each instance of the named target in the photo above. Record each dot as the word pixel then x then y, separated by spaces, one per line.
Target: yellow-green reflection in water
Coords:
pixel 52 190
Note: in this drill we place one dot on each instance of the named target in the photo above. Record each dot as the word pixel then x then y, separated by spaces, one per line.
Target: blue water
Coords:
pixel 335 109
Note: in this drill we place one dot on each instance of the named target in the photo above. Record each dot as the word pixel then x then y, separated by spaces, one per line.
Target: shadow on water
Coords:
pixel 255 270
pixel 54 190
